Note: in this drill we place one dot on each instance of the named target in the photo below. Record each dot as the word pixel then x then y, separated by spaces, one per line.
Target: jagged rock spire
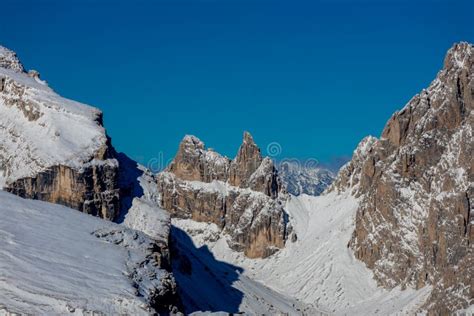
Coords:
pixel 246 162
pixel 193 162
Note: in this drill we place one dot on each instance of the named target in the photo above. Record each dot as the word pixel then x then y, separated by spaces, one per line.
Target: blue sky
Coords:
pixel 314 76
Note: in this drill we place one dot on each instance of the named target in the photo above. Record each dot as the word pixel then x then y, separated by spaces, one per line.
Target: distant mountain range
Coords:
pixel 303 178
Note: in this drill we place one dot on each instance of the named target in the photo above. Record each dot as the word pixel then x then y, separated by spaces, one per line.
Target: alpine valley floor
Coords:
pixel 318 270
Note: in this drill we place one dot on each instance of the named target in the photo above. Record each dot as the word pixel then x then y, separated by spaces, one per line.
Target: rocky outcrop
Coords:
pixel 147 268
pixel 240 196
pixel 415 187
pixel 194 163
pixel 92 190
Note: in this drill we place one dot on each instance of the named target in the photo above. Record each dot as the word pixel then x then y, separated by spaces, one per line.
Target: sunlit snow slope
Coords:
pixel 39 128
pixel 55 260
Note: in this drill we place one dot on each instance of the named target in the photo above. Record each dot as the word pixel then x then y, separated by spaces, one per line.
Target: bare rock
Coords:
pixel 240 196
pixel 194 163
pixel 246 162
pixel 415 185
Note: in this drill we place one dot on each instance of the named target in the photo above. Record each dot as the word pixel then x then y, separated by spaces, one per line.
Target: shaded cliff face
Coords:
pixel 239 196
pixel 51 148
pixel 92 190
pixel 415 185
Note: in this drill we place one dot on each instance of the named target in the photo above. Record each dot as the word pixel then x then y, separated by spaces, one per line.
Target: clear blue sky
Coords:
pixel 314 76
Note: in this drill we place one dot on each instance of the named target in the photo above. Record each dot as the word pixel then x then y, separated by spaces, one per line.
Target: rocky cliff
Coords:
pixel 241 196
pixel 51 148
pixel 414 225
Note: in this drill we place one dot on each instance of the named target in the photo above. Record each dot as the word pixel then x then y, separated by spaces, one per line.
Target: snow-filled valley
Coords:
pixel 56 261
pixel 318 270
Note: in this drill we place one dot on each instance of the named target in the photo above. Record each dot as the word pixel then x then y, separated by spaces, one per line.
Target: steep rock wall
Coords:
pixel 415 184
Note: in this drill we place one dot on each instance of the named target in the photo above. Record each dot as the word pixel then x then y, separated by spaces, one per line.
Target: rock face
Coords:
pixel 246 163
pixel 304 178
pixel 92 190
pixel 194 163
pixel 240 196
pixel 414 226
pixel 51 148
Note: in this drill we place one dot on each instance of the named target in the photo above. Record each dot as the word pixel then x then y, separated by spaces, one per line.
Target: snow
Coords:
pixel 146 217
pixel 208 285
pixel 40 129
pixel 318 269
pixel 8 59
pixel 56 261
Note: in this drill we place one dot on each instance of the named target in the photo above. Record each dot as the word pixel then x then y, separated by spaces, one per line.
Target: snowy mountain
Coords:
pixel 52 148
pixel 57 261
pixel 303 178
pixel 57 150
pixel 391 235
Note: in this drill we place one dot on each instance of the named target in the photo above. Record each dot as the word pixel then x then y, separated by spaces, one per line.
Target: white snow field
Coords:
pixel 318 269
pixel 39 128
pixel 57 261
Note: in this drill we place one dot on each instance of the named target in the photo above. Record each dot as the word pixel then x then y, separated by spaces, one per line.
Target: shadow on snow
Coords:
pixel 204 283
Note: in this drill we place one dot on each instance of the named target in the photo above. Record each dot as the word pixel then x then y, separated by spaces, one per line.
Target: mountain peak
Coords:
pixel 191 141
pixel 460 56
pixel 9 60
pixel 246 162
pixel 248 138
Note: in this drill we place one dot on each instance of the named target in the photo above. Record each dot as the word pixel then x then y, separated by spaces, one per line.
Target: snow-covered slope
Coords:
pixel 207 284
pixel 51 148
pixel 40 129
pixel 318 269
pixel 56 261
